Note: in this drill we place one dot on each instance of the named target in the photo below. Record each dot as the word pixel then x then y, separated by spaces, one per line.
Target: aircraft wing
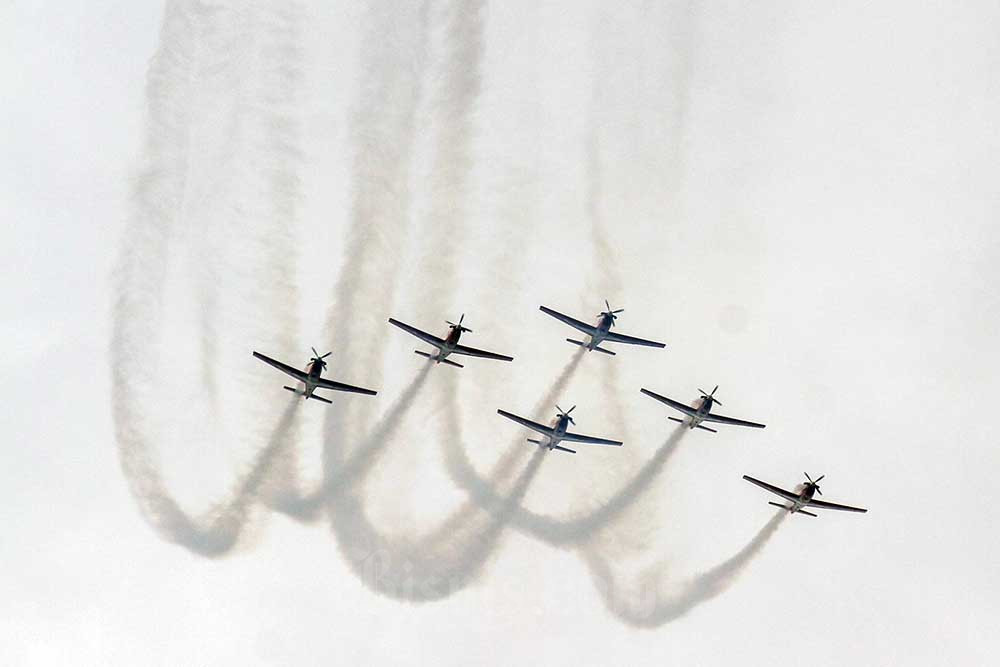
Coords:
pixel 631 340
pixel 729 420
pixel 819 504
pixel 676 405
pixel 787 495
pixel 284 368
pixel 473 352
pixel 534 426
pixel 588 329
pixel 340 386
pixel 422 335
pixel 590 440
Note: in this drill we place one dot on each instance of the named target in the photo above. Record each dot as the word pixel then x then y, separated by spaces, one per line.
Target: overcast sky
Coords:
pixel 798 198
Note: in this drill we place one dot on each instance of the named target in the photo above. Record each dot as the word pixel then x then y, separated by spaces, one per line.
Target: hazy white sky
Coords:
pixel 799 198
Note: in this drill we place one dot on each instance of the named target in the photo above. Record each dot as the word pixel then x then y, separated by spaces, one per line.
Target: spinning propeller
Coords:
pixel 711 397
pixel 565 413
pixel 319 358
pixel 459 325
pixel 613 314
pixel 814 483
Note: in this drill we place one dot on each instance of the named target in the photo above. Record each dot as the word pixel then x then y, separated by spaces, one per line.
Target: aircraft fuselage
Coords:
pixel 450 341
pixel 314 370
pixel 560 425
pixel 703 411
pixel 603 327
pixel 805 495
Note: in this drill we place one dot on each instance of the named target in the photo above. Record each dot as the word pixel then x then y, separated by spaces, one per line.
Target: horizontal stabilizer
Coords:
pixel 601 349
pixel 705 428
pixel 805 512
pixel 537 442
pixel 563 449
pixel 450 363
pixel 576 342
pixel 317 397
pixel 676 419
pixel 781 505
pixel 291 389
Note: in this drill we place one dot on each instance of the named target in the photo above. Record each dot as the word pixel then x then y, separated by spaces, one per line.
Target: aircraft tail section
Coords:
pixel 582 344
pixel 563 449
pixel 317 397
pixel 781 505
pixel 705 428
pixel 436 357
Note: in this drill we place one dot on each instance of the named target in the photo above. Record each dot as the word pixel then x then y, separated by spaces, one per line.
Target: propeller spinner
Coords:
pixel 814 483
pixel 319 358
pixel 459 325
pixel 565 413
pixel 711 396
pixel 613 314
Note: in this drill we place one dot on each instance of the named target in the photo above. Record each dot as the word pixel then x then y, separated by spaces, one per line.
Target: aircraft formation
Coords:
pixel 798 501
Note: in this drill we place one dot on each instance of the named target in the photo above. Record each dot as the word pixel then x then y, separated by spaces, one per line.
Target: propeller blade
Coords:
pixel 819 479
pixel 620 310
pixel 461 319
pixel 607 304
pixel 315 353
pixel 326 355
pixel 807 476
pixel 571 409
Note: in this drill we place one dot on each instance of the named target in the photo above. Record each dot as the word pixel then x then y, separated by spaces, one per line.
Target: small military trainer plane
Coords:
pixel 802 496
pixel 557 431
pixel 310 380
pixel 701 413
pixel 449 344
pixel 600 332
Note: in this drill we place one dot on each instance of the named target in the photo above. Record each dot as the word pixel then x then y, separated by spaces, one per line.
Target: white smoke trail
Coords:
pixel 649 603
pixel 393 57
pixel 394 44
pixel 167 198
pixel 569 531
pixel 218 530
pixel 424 569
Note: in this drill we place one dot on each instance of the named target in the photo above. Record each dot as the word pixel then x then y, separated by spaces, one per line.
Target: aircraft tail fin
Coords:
pixel 705 428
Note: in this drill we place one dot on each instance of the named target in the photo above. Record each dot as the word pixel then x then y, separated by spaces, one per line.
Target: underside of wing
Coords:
pixel 534 426
pixel 422 335
pixel 729 420
pixel 473 352
pixel 821 505
pixel 284 368
pixel 340 386
pixel 590 440
pixel 631 340
pixel 787 495
pixel 676 405
pixel 588 329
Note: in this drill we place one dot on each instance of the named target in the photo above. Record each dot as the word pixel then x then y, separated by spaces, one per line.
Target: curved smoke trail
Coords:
pixel 383 124
pixel 650 604
pixel 194 43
